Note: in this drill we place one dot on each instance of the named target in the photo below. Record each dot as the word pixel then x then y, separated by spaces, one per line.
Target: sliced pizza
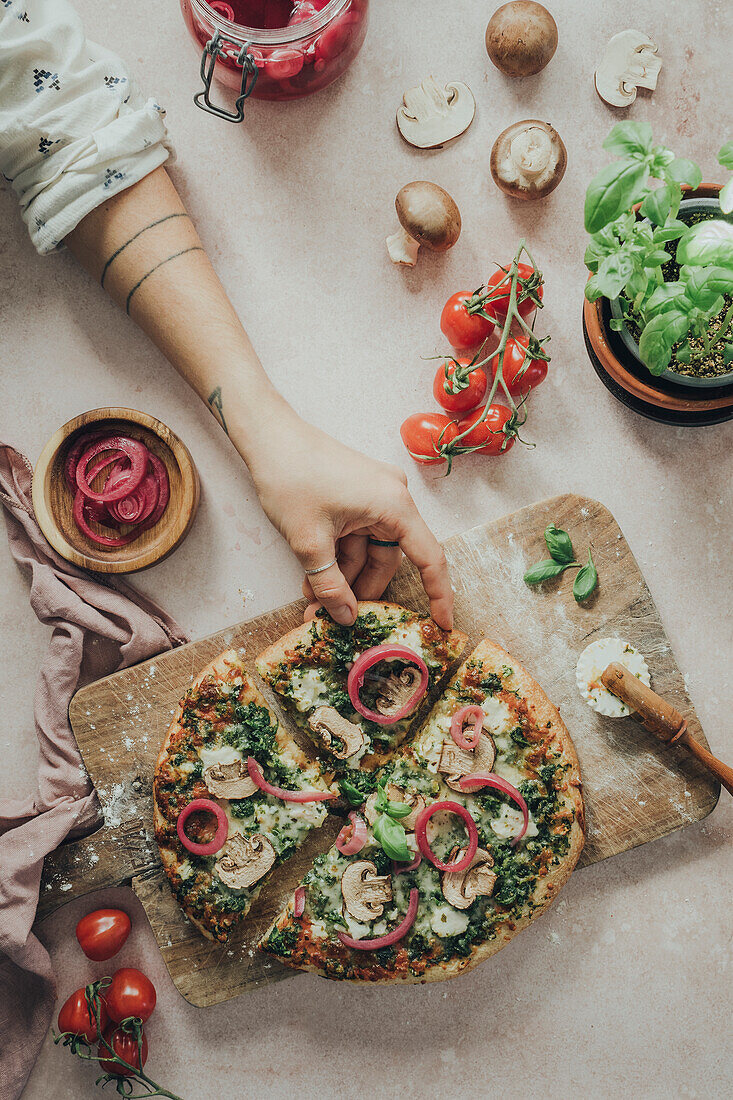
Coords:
pixel 234 797
pixel 356 690
pixel 474 827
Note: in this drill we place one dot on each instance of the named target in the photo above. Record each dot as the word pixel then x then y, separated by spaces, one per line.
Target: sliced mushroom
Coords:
pixel 365 892
pixel 428 215
pixel 461 888
pixel 397 794
pixel 456 762
pixel 398 689
pixel 631 61
pixel 431 115
pixel 528 159
pixel 244 860
pixel 327 724
pixel 229 780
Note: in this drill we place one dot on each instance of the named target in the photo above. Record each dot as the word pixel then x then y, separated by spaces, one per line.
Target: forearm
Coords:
pixel 145 251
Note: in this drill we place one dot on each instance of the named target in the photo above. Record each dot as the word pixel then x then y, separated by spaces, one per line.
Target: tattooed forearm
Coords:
pixel 217 407
pixel 167 260
pixel 121 249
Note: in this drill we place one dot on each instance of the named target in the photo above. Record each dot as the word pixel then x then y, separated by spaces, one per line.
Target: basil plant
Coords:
pixel 626 253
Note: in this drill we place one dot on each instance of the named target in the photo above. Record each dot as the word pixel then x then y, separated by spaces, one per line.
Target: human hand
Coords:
pixel 326 500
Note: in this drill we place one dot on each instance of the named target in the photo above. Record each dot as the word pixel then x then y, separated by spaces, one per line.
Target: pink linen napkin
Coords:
pixel 98 626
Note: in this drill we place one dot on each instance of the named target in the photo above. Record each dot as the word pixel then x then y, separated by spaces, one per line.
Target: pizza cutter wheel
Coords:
pixel 661 718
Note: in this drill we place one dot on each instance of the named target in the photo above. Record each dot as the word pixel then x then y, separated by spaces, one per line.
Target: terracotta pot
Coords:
pixel 630 381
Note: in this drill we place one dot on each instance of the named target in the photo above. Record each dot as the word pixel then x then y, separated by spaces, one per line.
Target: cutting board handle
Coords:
pixel 661 718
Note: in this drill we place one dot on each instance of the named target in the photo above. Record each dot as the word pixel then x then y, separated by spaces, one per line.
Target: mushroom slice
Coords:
pixel 365 892
pixel 244 860
pixel 461 888
pixel 229 780
pixel 428 215
pixel 398 689
pixel 397 794
pixel 631 61
pixel 528 159
pixel 456 762
pixel 431 115
pixel 327 724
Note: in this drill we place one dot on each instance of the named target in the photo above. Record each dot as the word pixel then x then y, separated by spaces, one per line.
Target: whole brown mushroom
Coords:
pixel 521 38
pixel 428 215
pixel 528 159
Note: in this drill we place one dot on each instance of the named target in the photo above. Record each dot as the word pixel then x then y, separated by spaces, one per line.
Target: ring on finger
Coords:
pixel 320 569
pixel 382 542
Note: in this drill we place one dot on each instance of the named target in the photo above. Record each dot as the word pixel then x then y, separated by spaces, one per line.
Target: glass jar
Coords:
pixel 282 62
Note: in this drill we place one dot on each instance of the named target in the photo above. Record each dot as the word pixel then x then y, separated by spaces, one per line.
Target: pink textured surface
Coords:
pixel 298 202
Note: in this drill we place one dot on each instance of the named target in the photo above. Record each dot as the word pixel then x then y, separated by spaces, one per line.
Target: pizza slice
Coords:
pixel 234 797
pixel 356 723
pixel 487 799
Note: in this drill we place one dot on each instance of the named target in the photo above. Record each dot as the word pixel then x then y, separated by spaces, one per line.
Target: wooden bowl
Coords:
pixel 52 499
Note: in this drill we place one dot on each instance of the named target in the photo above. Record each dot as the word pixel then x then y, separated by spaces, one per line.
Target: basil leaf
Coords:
pixel 612 192
pixel 708 242
pixel 559 544
pixel 386 806
pixel 393 839
pixel 667 296
pixel 616 324
pixel 705 286
pixel 658 338
pixel 684 171
pixel 684 353
pixel 658 204
pixel 543 571
pixel 613 274
pixel 630 138
pixel 725 156
pixel 728 354
pixel 670 232
pixel 585 581
pixel 353 796
pixel 726 198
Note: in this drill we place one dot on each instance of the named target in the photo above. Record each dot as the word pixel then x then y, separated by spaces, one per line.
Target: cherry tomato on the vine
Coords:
pixel 74 1017
pixel 102 933
pixel 421 434
pixel 130 994
pixel 486 434
pixel 461 328
pixel 463 399
pixel 512 359
pixel 499 307
pixel 125 1046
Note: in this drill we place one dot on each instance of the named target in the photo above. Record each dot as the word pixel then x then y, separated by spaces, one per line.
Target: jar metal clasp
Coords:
pixel 213 50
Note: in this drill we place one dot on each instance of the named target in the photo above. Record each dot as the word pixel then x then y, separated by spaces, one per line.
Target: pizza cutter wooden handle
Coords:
pixel 661 718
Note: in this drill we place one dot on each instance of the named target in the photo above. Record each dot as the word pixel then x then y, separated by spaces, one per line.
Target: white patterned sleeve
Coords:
pixel 73 129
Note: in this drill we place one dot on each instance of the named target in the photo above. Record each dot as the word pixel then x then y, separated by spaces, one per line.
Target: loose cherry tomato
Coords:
pixel 488 434
pixel 461 328
pixel 421 434
pixel 76 1018
pixel 499 307
pixel 462 399
pixel 512 363
pixel 102 933
pixel 125 1046
pixel 130 994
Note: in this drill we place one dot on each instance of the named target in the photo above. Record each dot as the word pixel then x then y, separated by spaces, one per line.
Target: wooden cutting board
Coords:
pixel 636 789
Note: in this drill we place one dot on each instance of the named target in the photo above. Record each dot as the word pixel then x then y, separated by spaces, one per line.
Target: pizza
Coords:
pixel 440 915
pixel 464 820
pixel 222 722
pixel 309 668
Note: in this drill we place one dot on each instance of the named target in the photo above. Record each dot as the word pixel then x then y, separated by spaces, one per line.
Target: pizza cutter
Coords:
pixel 661 718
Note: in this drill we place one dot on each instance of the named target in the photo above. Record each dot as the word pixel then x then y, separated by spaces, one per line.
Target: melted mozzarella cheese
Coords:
pixel 308 689
pixel 447 921
pixel 224 754
pixel 409 635
pixel 498 719
pixel 509 822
